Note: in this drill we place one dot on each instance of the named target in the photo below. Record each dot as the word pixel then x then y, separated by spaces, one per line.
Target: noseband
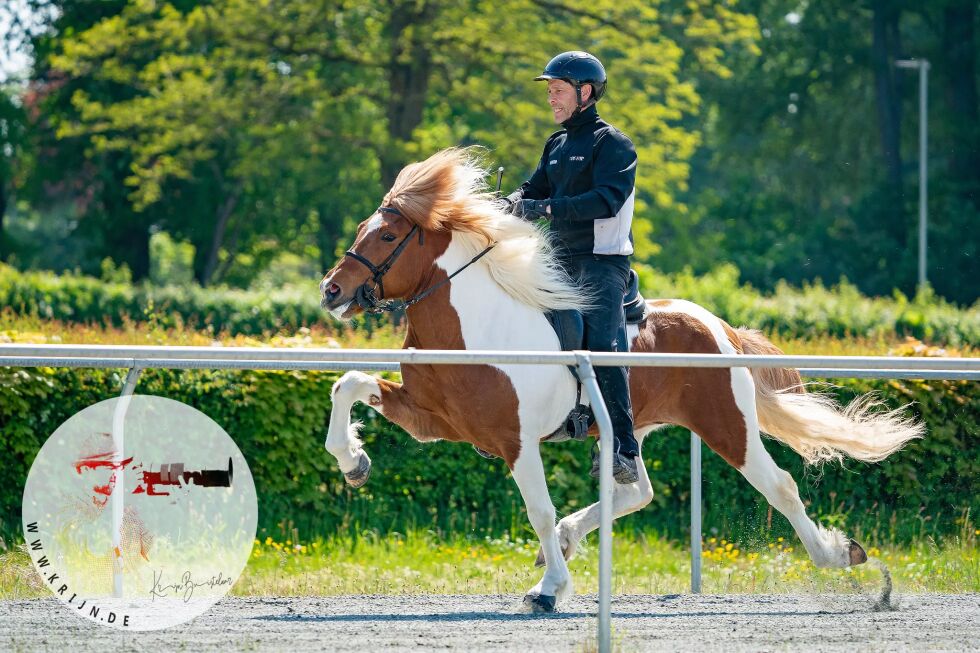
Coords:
pixel 365 295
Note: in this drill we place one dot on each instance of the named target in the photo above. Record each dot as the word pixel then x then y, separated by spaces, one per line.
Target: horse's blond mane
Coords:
pixel 448 192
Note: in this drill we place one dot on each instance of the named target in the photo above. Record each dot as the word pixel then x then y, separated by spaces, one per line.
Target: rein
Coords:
pixel 365 296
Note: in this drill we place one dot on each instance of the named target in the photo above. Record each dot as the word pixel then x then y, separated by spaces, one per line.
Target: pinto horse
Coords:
pixel 473 277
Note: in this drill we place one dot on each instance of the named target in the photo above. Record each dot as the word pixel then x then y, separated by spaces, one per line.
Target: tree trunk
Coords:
pixel 3 213
pixel 960 88
pixel 409 68
pixel 330 231
pixel 218 235
pixel 884 51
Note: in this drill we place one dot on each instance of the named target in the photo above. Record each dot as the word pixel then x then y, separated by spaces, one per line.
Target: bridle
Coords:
pixel 365 295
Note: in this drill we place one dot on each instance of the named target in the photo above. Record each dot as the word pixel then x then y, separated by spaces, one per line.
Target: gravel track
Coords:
pixel 492 623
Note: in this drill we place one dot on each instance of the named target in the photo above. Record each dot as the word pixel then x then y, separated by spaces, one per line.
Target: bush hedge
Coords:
pixel 790 312
pixel 79 298
pixel 278 420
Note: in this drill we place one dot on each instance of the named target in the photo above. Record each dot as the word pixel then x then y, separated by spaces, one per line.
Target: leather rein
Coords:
pixel 366 296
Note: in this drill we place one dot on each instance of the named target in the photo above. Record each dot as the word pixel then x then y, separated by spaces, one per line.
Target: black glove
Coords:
pixel 530 209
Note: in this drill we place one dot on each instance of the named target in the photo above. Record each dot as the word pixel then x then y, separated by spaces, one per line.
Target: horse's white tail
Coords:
pixel 815 425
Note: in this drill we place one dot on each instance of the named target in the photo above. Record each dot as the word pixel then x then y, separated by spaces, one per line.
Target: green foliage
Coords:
pixel 816 310
pixel 811 311
pixel 278 419
pixel 79 298
pixel 171 262
pixel 233 123
pixel 794 182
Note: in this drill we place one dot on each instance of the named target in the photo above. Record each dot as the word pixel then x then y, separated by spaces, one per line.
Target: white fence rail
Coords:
pixel 136 358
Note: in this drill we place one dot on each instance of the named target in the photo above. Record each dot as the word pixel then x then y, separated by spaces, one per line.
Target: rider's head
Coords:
pixel 576 80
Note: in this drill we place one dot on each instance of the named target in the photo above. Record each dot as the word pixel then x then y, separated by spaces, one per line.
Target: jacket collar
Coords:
pixel 585 117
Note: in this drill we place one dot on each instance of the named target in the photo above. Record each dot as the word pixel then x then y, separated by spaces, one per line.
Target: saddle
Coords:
pixel 570 328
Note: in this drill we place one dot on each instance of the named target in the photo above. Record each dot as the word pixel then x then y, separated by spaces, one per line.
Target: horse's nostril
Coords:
pixel 333 289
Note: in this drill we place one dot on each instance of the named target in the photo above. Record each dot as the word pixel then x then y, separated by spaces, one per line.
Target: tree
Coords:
pixel 236 113
pixel 808 168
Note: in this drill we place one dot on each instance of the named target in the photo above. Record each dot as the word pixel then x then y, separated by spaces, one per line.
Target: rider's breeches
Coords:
pixel 605 330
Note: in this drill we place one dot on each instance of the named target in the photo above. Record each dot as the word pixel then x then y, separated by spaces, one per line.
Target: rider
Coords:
pixel 584 186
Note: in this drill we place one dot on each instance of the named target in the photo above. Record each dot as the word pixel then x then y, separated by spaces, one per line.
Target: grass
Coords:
pixel 28 329
pixel 36 330
pixel 421 563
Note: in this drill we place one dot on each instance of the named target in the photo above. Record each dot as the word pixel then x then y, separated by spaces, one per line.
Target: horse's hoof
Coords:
pixel 358 476
pixel 539 603
pixel 857 554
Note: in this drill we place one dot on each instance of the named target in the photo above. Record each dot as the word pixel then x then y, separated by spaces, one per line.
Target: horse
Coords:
pixel 470 276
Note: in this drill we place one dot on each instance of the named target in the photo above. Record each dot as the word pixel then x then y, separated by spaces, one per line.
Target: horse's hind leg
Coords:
pixel 626 499
pixel 556 585
pixel 827 548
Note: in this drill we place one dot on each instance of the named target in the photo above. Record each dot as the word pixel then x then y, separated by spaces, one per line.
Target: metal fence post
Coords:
pixel 587 375
pixel 117 498
pixel 695 513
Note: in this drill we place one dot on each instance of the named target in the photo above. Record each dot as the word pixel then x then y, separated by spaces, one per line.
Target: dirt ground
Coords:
pixel 697 623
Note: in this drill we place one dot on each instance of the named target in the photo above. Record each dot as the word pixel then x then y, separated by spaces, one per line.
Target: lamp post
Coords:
pixel 923 67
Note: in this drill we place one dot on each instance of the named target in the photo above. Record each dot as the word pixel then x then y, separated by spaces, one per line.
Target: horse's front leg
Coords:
pixel 556 585
pixel 342 441
pixel 394 401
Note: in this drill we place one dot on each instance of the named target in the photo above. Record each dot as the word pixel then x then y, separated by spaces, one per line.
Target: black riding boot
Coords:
pixel 606 277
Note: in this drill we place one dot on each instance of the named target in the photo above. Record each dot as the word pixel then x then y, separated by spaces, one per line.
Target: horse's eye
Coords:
pixel 388 237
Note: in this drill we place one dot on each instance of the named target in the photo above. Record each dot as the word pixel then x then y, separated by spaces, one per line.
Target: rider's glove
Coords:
pixel 530 209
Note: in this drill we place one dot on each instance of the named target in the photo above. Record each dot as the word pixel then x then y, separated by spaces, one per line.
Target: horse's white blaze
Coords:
pixel 374 223
pixel 342 441
pixel 490 318
pixel 827 548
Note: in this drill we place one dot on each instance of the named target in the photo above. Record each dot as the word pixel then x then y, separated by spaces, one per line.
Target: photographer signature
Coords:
pixel 185 587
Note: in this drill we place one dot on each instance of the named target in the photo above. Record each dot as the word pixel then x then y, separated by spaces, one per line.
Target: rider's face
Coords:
pixel 561 97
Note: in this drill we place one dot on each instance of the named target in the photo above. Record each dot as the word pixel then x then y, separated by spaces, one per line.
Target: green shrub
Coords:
pixel 78 298
pixel 279 421
pixel 790 312
pixel 816 310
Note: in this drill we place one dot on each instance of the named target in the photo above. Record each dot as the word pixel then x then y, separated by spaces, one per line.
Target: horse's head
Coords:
pixel 433 203
pixel 388 260
pixel 396 247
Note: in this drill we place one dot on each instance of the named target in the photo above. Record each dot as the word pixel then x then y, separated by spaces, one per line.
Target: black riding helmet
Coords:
pixel 577 68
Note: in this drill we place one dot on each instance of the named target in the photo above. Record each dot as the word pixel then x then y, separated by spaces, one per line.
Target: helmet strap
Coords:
pixel 579 105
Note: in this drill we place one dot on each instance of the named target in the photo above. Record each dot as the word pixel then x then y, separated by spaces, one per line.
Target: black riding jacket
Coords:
pixel 588 171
